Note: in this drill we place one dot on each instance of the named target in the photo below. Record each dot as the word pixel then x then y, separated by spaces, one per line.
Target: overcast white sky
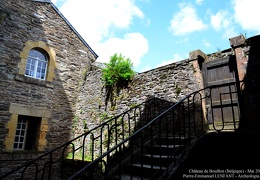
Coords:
pixel 153 33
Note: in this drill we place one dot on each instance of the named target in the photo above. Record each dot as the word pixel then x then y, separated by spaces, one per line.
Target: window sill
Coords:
pixel 30 80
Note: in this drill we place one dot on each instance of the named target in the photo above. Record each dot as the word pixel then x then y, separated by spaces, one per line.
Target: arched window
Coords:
pixel 36 66
pixel 37 62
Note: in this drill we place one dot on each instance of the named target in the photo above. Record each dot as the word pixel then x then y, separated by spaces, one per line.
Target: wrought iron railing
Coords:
pixel 184 120
pixel 107 149
pixel 76 153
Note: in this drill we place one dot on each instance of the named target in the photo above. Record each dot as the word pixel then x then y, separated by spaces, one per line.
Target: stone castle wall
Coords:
pixel 172 83
pixel 163 83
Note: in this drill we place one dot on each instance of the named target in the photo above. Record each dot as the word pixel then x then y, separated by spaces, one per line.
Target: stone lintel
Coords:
pixel 29 110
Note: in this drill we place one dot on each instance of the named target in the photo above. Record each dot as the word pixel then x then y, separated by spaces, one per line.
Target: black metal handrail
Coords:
pixel 90 145
pixel 120 140
pixel 185 119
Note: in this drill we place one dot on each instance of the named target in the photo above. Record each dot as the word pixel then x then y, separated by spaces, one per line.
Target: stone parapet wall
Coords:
pixel 172 83
pixel 163 83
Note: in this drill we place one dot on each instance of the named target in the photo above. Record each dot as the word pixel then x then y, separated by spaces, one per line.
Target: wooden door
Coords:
pixel 222 98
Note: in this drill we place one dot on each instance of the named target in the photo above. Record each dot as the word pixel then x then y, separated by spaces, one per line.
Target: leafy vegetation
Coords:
pixel 116 76
pixel 178 90
pixel 79 156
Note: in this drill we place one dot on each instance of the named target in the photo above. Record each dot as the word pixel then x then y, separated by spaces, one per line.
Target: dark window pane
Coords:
pixel 20 146
pixel 17 133
pixel 22 133
pixel 16 139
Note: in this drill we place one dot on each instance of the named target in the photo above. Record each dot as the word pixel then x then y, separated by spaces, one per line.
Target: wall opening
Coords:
pixel 27 133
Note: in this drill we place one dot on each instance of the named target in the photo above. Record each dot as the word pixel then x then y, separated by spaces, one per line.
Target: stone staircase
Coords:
pixel 226 152
pixel 155 158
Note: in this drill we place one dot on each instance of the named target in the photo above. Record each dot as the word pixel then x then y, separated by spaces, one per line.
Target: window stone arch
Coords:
pixel 43 47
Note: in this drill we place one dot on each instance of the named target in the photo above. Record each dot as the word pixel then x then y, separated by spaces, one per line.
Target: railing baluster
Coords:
pixel 222 114
pixel 232 106
pixel 148 120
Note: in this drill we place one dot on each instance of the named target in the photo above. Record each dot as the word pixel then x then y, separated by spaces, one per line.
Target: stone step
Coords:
pixel 148 166
pixel 129 177
pixel 156 158
pixel 160 160
pixel 164 149
pixel 145 170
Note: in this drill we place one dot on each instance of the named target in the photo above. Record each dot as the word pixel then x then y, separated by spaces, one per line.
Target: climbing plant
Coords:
pixel 116 76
